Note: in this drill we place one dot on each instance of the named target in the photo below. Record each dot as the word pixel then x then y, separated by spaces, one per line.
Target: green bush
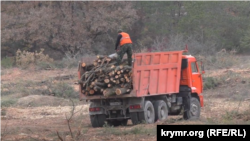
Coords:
pixel 8 103
pixel 64 90
pixel 210 83
pixel 7 62
pixel 24 58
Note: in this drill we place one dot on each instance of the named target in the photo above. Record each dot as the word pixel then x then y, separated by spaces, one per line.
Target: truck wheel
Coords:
pixel 98 120
pixel 161 110
pixel 194 112
pixel 149 112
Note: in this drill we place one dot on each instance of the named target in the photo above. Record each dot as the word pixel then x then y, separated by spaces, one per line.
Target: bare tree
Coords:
pixel 66 27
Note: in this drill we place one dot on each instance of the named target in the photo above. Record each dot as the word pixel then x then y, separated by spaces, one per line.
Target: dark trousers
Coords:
pixel 127 48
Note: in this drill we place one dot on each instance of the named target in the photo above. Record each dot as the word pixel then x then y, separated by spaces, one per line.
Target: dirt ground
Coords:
pixel 48 122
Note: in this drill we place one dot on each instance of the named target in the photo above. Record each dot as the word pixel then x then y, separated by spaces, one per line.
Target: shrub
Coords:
pixel 8 103
pixel 210 83
pixel 25 58
pixel 64 90
pixel 222 59
pixel 7 62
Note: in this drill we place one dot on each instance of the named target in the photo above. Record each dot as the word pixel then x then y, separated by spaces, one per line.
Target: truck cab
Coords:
pixel 191 76
pixel 191 88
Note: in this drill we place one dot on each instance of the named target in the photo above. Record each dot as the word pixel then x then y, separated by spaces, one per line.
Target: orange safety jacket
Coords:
pixel 125 39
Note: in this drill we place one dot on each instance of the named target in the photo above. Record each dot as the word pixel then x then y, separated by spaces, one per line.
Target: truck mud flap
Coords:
pixel 187 101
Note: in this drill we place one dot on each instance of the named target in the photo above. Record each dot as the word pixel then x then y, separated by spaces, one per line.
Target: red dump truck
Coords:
pixel 164 83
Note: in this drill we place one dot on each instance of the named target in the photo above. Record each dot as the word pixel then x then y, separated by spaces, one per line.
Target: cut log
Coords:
pixel 127 68
pixel 89 67
pixel 112 73
pixel 120 91
pixel 88 88
pixel 100 84
pixel 122 79
pixel 91 86
pixel 109 85
pixel 103 76
pixel 122 85
pixel 128 90
pixel 117 82
pixel 108 59
pixel 127 85
pixel 118 72
pixel 130 73
pixel 83 64
pixel 100 56
pixel 127 79
pixel 113 66
pixel 109 91
pixel 91 92
pixel 95 63
pixel 96 88
pixel 118 68
pixel 86 93
pixel 106 80
pixel 121 66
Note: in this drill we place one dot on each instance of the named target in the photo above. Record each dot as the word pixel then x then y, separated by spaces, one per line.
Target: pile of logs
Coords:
pixel 102 77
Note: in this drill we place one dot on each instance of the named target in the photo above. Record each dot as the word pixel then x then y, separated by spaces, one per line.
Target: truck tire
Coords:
pixel 149 112
pixel 161 110
pixel 194 112
pixel 97 120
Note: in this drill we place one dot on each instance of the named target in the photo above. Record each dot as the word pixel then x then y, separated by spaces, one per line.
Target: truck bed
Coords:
pixel 157 73
pixel 154 73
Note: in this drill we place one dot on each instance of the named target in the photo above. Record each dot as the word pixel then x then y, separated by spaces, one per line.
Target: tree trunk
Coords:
pixel 109 92
pixel 100 84
pixel 86 93
pixel 106 80
pixel 109 85
pixel 120 91
pixel 95 63
pixel 122 79
pixel 96 88
pixel 83 64
pixel 91 92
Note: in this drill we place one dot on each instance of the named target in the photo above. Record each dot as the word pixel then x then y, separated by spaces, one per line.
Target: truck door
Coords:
pixel 196 77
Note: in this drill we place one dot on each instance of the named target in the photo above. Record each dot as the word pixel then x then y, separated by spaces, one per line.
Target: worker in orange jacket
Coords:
pixel 123 45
